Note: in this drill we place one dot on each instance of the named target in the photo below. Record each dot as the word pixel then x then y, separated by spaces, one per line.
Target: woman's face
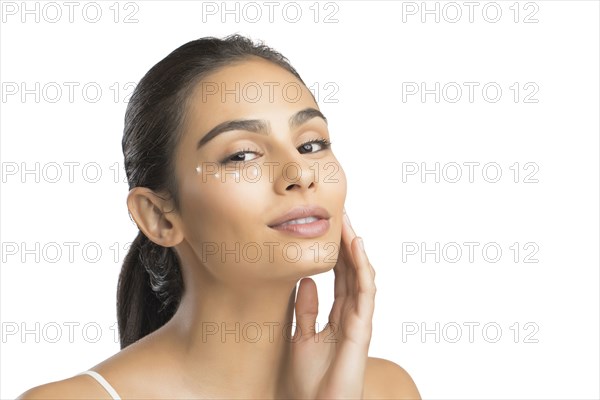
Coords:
pixel 235 185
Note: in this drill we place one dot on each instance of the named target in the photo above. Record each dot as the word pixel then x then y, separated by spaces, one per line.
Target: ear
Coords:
pixel 155 217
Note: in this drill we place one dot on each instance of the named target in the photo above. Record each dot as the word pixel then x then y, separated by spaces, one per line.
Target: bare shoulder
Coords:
pixel 385 379
pixel 77 387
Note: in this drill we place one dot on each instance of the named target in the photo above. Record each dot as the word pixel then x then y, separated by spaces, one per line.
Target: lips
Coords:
pixel 300 221
pixel 303 222
pixel 299 216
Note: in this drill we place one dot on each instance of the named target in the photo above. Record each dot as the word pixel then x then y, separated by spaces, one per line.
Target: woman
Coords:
pixel 237 196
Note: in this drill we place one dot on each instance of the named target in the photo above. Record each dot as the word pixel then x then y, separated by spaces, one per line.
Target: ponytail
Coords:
pixel 149 289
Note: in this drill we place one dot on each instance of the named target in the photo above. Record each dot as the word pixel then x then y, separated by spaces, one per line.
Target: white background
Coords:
pixel 365 56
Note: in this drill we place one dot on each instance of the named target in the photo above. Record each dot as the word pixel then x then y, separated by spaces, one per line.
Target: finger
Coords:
pixel 344 256
pixel 342 271
pixel 339 290
pixel 348 236
pixel 339 271
pixel 365 279
pixel 349 230
pixel 372 271
pixel 307 308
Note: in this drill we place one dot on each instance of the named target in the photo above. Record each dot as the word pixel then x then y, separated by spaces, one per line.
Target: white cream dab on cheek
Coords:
pixel 250 173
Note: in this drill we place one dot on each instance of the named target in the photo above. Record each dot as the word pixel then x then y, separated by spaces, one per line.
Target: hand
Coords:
pixel 332 363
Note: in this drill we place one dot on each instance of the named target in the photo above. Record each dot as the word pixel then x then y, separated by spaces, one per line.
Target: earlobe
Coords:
pixel 154 216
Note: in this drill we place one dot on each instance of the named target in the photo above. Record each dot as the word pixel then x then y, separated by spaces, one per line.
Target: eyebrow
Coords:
pixel 259 125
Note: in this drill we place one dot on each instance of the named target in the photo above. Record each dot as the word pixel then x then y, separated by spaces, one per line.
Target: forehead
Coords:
pixel 251 88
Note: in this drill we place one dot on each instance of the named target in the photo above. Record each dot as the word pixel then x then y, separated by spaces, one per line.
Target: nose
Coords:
pixel 295 174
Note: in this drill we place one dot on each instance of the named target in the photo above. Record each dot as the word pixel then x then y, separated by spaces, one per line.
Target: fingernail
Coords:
pixel 362 245
pixel 347 219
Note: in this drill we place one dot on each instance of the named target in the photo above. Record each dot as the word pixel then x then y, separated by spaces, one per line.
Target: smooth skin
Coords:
pixel 198 353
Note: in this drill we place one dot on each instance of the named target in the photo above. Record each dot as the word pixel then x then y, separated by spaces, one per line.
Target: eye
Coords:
pixel 240 156
pixel 313 146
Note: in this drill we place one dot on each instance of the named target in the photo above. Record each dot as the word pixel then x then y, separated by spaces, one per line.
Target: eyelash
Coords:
pixel 325 144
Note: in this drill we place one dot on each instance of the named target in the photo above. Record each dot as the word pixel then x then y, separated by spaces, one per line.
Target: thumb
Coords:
pixel 307 308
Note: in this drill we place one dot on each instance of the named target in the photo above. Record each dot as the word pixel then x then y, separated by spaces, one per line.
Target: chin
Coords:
pixel 316 258
pixel 319 269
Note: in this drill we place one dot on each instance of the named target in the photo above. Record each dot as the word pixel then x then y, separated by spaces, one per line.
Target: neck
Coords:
pixel 235 337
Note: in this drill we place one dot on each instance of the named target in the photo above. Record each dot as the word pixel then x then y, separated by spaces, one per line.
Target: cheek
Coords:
pixel 332 179
pixel 222 204
pixel 336 191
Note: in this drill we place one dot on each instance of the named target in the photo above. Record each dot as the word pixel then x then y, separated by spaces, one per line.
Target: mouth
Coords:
pixel 303 221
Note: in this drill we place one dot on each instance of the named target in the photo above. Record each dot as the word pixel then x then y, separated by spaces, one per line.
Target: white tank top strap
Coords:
pixel 100 379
